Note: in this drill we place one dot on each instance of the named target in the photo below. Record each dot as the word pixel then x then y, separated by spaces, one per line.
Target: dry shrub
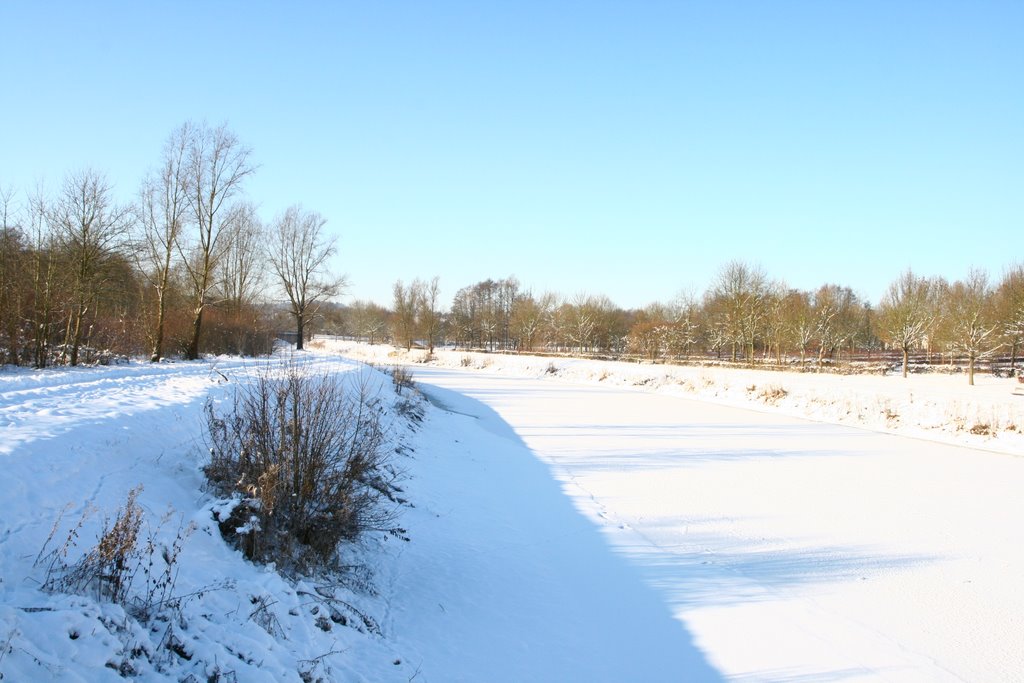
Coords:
pixel 982 429
pixel 112 568
pixel 772 394
pixel 401 376
pixel 106 569
pixel 466 361
pixel 891 415
pixel 304 459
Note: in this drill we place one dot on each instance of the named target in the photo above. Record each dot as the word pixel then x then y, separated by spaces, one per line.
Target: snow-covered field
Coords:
pixel 594 522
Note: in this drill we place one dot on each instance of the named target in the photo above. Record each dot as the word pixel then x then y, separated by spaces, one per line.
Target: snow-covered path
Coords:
pixel 790 550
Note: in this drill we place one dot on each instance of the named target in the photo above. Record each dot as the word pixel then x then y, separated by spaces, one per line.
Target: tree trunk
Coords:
pixel 158 341
pixel 73 334
pixel 76 338
pixel 906 360
pixel 970 370
pixel 193 346
pixel 300 324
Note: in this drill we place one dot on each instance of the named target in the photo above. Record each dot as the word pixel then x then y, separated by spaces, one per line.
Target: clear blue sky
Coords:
pixel 623 148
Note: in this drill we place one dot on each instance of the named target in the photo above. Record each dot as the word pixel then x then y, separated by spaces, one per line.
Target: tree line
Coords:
pixel 189 267
pixel 181 270
pixel 743 316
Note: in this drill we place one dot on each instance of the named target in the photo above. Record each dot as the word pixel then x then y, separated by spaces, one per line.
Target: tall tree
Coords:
pixel 835 311
pixel 89 228
pixel 906 313
pixel 299 254
pixel 43 270
pixel 405 305
pixel 12 258
pixel 216 166
pixel 428 300
pixel 800 322
pixel 741 289
pixel 367 319
pixel 972 325
pixel 162 213
pixel 240 278
pixel 530 316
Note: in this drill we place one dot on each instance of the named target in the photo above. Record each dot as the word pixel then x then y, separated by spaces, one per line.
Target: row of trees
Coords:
pixel 180 270
pixel 743 316
pixel 186 268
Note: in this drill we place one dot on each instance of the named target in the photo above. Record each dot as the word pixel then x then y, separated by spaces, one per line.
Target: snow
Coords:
pixel 603 522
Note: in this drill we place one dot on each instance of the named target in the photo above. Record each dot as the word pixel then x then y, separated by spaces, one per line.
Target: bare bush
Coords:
pixel 982 429
pixel 108 567
pixel 402 378
pixel 305 462
pixel 122 555
pixel 772 394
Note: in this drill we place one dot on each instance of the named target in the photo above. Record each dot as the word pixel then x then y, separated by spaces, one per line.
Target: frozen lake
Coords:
pixel 791 550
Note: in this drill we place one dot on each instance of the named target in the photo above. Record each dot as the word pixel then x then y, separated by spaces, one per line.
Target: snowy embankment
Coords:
pixel 940 407
pixel 75 442
pixel 501 580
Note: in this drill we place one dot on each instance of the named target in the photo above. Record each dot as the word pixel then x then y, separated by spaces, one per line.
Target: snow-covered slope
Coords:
pixel 79 440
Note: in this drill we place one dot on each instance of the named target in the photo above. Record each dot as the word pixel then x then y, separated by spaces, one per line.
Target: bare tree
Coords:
pixel 529 318
pixel 740 290
pixel 972 326
pixel 774 321
pixel 163 207
pixel 298 254
pixel 12 261
pixel 684 327
pixel 835 311
pixel 88 228
pixel 648 336
pixel 581 321
pixel 906 313
pixel 429 314
pixel 368 319
pixel 239 276
pixel 404 321
pixel 799 321
pixel 43 269
pixel 216 165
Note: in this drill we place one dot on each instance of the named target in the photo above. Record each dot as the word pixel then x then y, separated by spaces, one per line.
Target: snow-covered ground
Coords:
pixel 789 549
pixel 80 439
pixel 592 523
